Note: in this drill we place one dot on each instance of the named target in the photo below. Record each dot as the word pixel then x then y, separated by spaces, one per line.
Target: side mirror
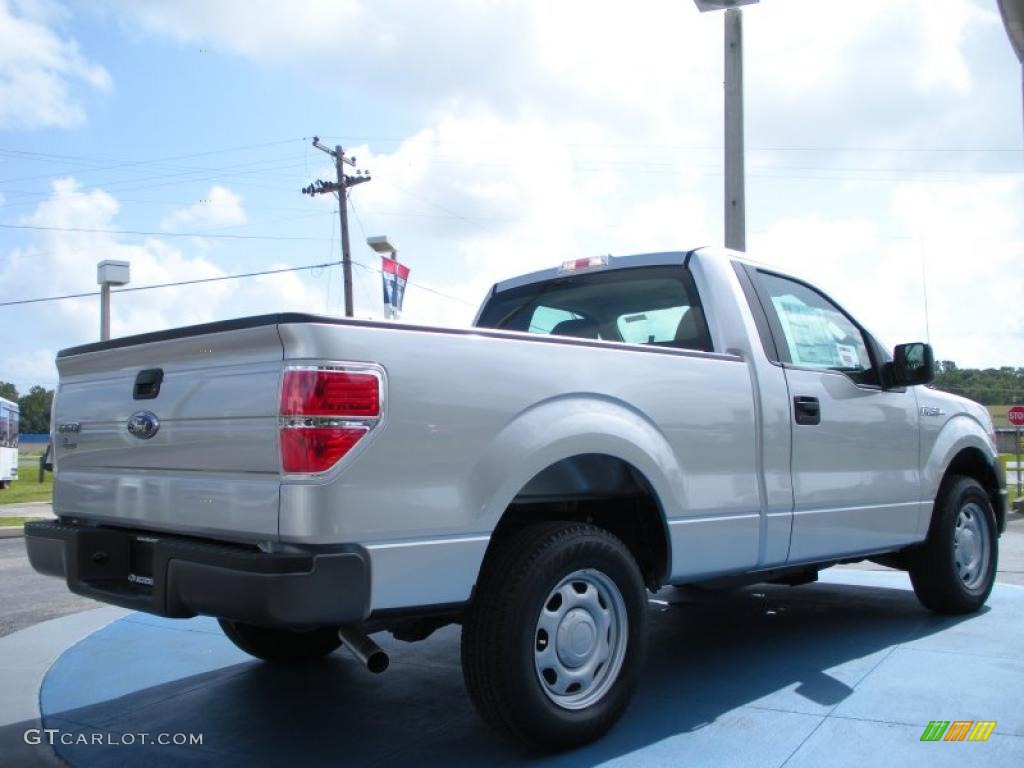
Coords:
pixel 912 364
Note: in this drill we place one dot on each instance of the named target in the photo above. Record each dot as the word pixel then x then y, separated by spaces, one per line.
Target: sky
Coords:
pixel 885 156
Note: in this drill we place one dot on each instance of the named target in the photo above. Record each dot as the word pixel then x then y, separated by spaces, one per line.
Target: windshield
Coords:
pixel 643 305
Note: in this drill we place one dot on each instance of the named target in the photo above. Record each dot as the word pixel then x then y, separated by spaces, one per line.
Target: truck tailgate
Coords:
pixel 212 465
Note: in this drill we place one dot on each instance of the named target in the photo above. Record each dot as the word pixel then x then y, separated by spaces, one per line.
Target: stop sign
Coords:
pixel 1016 415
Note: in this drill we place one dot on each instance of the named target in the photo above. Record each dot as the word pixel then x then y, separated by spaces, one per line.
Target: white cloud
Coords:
pixel 260 28
pixel 220 208
pixel 548 131
pixel 59 261
pixel 38 68
pixel 967 238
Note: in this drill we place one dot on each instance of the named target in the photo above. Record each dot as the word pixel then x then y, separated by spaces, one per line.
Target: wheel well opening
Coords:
pixel 971 462
pixel 604 491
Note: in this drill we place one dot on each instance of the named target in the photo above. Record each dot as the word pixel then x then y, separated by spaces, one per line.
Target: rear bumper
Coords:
pixel 181 577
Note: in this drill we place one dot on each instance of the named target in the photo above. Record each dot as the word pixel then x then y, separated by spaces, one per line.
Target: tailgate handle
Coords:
pixel 147 384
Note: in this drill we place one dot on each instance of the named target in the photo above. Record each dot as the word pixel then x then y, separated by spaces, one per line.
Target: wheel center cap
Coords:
pixel 968 544
pixel 577 636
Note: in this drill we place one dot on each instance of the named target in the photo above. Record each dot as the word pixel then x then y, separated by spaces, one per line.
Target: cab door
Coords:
pixel 855 467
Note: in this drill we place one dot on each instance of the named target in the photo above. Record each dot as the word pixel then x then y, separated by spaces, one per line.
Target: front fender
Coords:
pixel 960 432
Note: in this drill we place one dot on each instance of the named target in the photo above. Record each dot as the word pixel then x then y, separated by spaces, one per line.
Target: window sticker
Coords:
pixel 848 356
pixel 808 333
pixel 654 325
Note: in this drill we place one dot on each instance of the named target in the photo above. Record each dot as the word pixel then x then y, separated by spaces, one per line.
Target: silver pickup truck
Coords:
pixel 608 427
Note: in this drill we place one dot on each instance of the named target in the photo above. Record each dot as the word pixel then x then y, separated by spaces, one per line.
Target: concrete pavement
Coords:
pixel 25 657
pixel 846 672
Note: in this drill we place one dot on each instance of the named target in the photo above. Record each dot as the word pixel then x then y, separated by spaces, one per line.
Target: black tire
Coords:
pixel 942 580
pixel 500 633
pixel 280 645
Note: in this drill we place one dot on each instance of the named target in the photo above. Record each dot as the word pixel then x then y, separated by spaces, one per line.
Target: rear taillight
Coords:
pixel 325 411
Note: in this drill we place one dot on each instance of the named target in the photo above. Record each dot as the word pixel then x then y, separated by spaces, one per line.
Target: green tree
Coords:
pixel 8 391
pixel 991 386
pixel 35 410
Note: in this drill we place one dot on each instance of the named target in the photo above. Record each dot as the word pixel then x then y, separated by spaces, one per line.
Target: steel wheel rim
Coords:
pixel 971 546
pixel 580 639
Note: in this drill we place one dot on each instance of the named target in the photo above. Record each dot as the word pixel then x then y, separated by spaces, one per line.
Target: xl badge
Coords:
pixel 67 432
pixel 143 424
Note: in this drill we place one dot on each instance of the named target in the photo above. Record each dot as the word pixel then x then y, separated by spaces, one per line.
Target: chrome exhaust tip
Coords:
pixel 363 648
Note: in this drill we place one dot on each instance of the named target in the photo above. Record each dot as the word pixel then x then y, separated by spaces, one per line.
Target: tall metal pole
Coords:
pixel 735 192
pixel 1012 12
pixel 346 258
pixel 105 312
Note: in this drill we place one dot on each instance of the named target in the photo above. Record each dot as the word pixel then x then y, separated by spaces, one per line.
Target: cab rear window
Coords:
pixel 643 305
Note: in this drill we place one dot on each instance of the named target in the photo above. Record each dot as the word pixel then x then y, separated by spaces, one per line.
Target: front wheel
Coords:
pixel 281 645
pixel 553 643
pixel 954 570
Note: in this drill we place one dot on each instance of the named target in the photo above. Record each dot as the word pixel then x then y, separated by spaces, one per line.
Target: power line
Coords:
pixel 158 234
pixel 128 163
pixel 359 221
pixel 709 147
pixel 420 286
pixel 171 285
pixel 221 172
pixel 327 264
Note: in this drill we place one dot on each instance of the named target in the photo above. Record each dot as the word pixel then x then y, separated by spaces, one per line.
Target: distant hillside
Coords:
pixel 992 386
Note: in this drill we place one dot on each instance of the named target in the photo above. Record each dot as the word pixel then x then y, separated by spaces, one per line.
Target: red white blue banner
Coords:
pixel 394 277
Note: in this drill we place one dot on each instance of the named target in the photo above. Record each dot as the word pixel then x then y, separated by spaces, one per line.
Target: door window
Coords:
pixel 815 332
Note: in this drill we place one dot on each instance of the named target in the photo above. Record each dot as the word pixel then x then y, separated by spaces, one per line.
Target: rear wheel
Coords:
pixel 954 570
pixel 553 643
pixel 281 645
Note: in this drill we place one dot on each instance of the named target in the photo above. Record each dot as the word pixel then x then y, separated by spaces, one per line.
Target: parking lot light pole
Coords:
pixel 1013 19
pixel 108 273
pixel 735 177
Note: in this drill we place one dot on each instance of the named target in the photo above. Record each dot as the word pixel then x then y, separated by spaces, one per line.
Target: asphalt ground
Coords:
pixel 26 597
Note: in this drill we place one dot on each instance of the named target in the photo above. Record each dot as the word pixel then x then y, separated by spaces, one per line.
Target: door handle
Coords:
pixel 806 410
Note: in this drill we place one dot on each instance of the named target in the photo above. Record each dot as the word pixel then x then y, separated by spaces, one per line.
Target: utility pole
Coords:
pixel 341 188
pixel 735 193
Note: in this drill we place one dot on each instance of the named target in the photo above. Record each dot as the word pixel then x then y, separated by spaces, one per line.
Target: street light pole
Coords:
pixel 735 187
pixel 108 273
pixel 104 311
pixel 735 176
pixel 1013 19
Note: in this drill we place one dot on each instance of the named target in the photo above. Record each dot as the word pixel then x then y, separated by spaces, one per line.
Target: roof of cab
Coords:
pixel 625 262
pixel 614 262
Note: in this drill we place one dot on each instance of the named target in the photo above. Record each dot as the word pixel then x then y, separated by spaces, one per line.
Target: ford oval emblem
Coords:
pixel 143 424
